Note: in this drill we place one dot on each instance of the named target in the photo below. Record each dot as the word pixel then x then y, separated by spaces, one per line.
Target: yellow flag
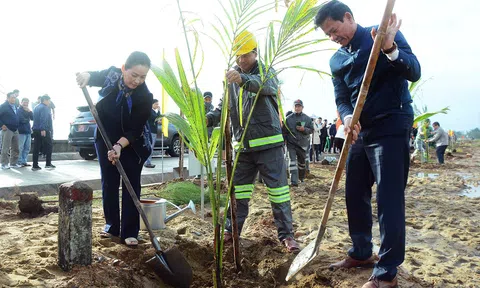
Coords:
pixel 164 108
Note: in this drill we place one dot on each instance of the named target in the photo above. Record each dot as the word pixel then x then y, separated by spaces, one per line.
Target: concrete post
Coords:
pixel 74 225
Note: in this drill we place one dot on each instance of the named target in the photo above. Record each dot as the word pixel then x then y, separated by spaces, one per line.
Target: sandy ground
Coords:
pixel 443 239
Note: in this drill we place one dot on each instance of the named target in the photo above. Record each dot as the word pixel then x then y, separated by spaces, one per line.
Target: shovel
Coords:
pixel 170 265
pixel 311 251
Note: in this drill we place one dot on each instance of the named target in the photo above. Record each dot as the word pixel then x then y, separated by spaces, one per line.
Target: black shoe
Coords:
pixel 294 185
pixel 51 166
pixel 149 166
pixel 35 168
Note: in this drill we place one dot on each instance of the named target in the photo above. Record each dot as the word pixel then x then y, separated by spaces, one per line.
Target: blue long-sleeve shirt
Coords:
pixel 388 93
pixel 42 118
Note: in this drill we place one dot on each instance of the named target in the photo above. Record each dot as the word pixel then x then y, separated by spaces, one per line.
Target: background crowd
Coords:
pixel 17 132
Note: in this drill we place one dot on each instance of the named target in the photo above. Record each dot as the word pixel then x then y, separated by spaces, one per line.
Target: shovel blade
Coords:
pixel 303 258
pixel 172 267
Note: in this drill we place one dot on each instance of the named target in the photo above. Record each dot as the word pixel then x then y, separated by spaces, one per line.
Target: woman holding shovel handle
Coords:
pixel 123 109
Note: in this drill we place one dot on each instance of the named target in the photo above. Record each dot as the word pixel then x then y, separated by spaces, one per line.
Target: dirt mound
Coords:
pixel 443 239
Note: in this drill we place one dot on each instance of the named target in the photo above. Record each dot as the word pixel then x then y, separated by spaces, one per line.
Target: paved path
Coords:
pixel 46 181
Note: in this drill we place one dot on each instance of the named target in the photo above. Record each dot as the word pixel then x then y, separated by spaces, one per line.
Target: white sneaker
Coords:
pixel 5 167
pixel 16 166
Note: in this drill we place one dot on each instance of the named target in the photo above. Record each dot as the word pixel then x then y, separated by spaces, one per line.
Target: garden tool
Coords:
pixel 170 265
pixel 311 251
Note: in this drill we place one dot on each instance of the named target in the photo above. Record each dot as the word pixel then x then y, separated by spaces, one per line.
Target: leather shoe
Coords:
pixel 349 262
pixel 291 245
pixel 375 283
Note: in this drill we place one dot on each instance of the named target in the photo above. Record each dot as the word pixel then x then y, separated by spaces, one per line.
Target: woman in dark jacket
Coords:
pixel 124 110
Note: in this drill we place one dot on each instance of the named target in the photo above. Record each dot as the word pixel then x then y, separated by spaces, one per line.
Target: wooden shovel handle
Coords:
pixel 372 62
pixel 121 171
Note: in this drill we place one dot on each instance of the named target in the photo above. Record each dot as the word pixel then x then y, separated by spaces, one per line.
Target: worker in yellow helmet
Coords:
pixel 262 149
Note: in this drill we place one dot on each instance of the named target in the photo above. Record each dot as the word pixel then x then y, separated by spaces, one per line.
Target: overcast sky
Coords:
pixel 44 43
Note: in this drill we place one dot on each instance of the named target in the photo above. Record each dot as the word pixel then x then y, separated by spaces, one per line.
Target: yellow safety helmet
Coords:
pixel 244 43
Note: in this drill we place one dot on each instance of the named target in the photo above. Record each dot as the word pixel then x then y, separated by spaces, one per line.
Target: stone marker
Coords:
pixel 74 225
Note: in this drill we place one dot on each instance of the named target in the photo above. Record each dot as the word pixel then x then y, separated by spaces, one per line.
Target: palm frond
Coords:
pixel 427 115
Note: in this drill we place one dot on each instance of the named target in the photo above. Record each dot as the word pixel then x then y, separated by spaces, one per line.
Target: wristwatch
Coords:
pixel 121 147
pixel 391 49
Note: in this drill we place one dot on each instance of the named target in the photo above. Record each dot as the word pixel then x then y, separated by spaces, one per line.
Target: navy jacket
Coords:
pixel 388 94
pixel 8 117
pixel 116 118
pixel 24 119
pixel 42 118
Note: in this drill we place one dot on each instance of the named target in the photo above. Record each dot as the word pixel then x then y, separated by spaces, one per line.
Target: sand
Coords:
pixel 443 239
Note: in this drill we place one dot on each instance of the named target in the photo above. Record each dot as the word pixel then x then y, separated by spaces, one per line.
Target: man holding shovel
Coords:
pixel 381 152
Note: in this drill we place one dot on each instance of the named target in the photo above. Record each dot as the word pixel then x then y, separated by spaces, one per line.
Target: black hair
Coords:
pixel 436 124
pixel 137 58
pixel 154 101
pixel 333 9
pixel 9 94
pixel 16 91
pixel 45 98
pixel 39 98
pixel 25 99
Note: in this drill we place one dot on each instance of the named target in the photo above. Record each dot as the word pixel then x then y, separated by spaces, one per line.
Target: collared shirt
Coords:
pixel 388 92
pixel 14 108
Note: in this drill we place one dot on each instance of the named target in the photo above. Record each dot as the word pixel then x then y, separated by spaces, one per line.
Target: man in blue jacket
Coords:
pixel 25 115
pixel 9 125
pixel 381 151
pixel 42 132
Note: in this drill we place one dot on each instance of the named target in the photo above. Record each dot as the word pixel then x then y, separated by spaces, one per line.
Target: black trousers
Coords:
pixel 323 142
pixel 130 220
pixel 332 144
pixel 42 142
pixel 339 144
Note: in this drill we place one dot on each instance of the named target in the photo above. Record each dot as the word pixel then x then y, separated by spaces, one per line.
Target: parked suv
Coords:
pixel 82 131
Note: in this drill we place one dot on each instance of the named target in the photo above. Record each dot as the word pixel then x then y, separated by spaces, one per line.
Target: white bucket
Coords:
pixel 155 210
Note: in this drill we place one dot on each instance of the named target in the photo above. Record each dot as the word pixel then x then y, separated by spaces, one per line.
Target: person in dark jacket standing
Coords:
pixel 9 125
pixel 381 152
pixel 323 136
pixel 153 128
pixel 332 131
pixel 124 110
pixel 207 101
pixel 42 133
pixel 298 140
pixel 262 149
pixel 25 115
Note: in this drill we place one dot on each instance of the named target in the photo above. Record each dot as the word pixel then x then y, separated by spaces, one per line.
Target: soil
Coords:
pixel 443 239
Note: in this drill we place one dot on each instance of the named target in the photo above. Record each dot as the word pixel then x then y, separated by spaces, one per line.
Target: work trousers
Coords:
pixel 130 220
pixel 270 163
pixel 44 143
pixel 24 145
pixel 9 145
pixel 384 159
pixel 441 153
pixel 297 163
